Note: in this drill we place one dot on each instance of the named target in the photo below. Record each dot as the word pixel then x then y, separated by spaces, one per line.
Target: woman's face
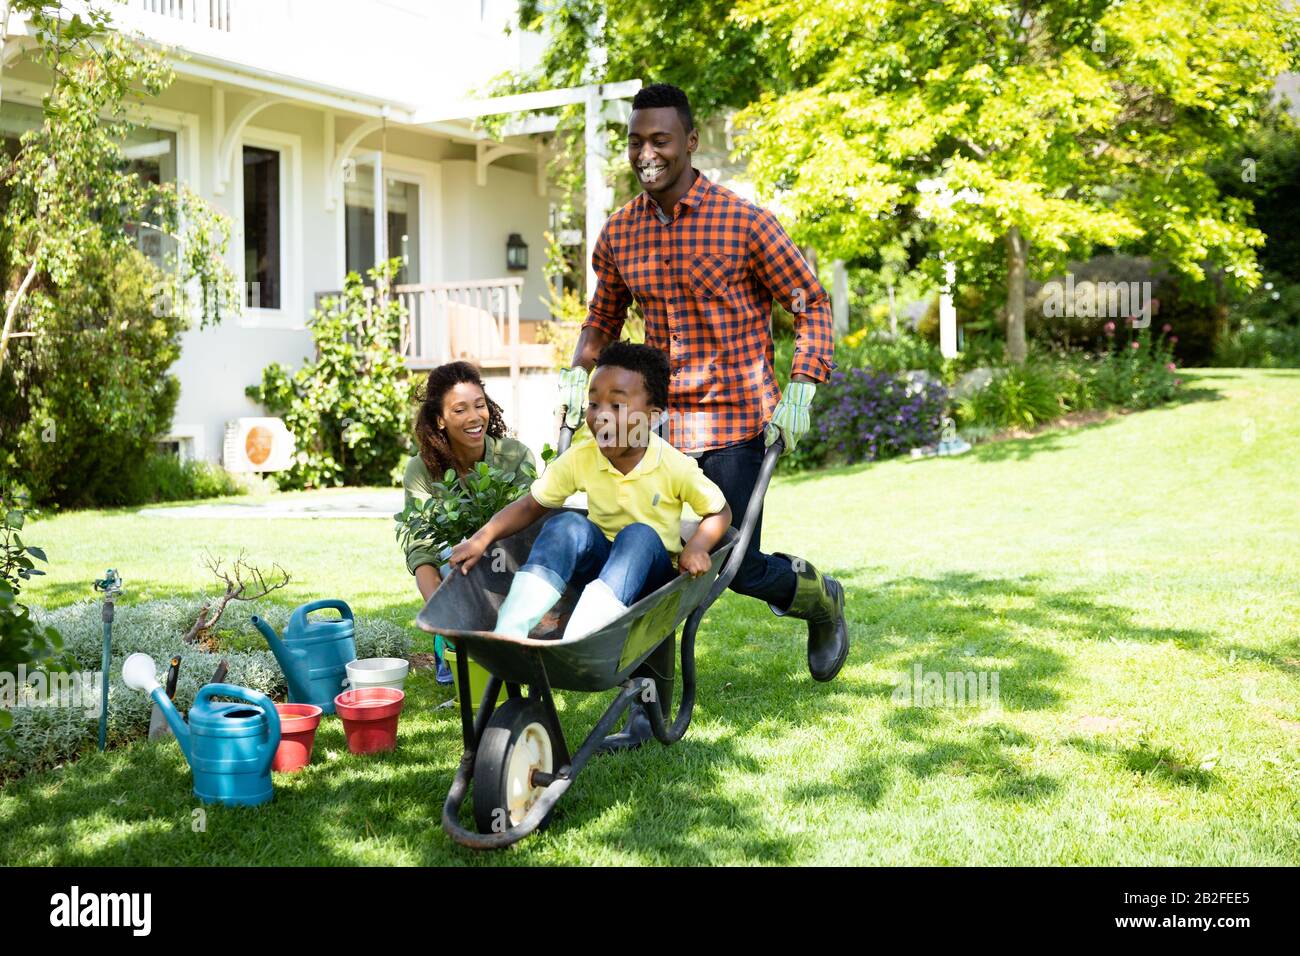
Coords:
pixel 464 418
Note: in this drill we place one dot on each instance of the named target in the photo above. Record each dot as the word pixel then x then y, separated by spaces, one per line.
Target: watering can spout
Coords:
pixel 174 719
pixel 139 673
pixel 285 655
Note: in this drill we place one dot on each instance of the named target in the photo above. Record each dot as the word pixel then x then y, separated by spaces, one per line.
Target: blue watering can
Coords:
pixel 314 655
pixel 229 746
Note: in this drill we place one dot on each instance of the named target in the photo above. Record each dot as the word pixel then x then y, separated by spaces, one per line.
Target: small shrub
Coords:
pixel 1138 373
pixel 1265 328
pixel 1017 396
pixel 861 415
pixel 167 478
pixel 348 409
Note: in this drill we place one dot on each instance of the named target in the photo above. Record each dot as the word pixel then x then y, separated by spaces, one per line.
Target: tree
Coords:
pixel 100 324
pixel 1021 134
pixel 1030 131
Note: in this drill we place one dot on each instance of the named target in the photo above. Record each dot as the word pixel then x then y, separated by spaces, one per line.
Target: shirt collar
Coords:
pixel 694 196
pixel 654 454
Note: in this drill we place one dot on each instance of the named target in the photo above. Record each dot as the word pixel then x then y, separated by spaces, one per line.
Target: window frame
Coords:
pixel 423 173
pixel 292 312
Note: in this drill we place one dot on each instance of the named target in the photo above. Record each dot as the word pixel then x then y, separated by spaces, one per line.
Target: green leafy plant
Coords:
pixel 349 409
pixel 16 558
pixel 90 326
pixel 458 507
pixel 22 640
pixel 1022 395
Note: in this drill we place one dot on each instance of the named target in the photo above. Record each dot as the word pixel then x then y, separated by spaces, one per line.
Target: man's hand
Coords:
pixel 573 395
pixel 466 554
pixel 791 419
pixel 694 560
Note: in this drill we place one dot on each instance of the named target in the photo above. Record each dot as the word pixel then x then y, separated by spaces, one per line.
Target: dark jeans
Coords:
pixel 571 550
pixel 734 469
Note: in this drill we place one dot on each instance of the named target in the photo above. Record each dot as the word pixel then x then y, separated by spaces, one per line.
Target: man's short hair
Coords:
pixel 658 95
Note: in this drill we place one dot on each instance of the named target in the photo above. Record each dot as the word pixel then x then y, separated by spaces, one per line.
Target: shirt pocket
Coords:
pixel 711 275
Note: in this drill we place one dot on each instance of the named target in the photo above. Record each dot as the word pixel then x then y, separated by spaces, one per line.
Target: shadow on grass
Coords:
pixel 1160 764
pixel 690 803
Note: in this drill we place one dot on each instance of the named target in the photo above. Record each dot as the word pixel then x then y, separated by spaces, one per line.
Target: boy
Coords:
pixel 636 484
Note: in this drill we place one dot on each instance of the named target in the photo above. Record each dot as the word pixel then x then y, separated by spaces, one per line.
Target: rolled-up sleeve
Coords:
pixel 607 310
pixel 781 267
pixel 415 488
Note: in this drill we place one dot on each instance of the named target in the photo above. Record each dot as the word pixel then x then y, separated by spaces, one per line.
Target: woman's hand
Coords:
pixel 694 560
pixel 466 554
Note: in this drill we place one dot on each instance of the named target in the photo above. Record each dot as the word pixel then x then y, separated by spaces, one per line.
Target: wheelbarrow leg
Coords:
pixel 659 667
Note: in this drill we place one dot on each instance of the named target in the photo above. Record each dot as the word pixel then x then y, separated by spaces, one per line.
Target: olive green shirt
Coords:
pixel 504 453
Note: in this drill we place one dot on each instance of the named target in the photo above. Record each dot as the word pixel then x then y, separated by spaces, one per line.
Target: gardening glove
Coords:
pixel 573 395
pixel 790 419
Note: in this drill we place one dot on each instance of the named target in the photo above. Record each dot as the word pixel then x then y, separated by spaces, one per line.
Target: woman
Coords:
pixel 456 427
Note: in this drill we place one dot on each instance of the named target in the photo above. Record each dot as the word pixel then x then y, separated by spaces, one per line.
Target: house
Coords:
pixel 335 133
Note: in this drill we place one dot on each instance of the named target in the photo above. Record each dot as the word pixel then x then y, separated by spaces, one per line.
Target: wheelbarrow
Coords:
pixel 516 754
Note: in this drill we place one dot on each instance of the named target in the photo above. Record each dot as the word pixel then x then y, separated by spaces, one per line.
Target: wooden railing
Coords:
pixel 214 14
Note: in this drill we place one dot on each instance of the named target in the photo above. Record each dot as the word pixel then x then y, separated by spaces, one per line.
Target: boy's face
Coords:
pixel 619 411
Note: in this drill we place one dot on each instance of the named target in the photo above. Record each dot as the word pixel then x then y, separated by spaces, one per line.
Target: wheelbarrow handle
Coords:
pixel 565 439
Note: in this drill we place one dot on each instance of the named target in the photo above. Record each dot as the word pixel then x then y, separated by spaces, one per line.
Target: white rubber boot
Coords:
pixel 596 607
pixel 530 597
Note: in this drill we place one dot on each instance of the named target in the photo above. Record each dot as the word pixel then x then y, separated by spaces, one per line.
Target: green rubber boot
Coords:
pixel 530 597
pixel 819 600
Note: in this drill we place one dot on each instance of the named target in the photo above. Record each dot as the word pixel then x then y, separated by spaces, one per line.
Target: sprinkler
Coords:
pixel 110 587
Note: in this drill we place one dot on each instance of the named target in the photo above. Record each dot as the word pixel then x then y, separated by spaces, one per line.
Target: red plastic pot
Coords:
pixel 298 723
pixel 369 716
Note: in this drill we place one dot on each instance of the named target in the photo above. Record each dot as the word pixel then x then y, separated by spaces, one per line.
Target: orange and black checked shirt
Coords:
pixel 705 282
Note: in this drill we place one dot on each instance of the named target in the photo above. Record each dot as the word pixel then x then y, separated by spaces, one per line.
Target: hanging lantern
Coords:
pixel 516 253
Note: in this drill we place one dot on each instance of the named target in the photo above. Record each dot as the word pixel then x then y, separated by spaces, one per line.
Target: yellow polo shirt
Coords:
pixel 652 493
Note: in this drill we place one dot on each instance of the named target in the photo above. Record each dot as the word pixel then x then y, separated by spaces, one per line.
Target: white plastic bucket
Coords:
pixel 378 672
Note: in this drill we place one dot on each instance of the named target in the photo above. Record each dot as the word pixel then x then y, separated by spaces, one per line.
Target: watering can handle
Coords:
pixel 209 691
pixel 341 606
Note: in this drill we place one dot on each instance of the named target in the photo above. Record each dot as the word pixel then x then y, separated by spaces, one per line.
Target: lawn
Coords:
pixel 1134 584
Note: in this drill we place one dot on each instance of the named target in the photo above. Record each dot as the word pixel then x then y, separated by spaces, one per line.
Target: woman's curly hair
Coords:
pixel 435 448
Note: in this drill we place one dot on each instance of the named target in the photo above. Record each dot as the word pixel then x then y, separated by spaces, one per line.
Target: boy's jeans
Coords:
pixel 571 550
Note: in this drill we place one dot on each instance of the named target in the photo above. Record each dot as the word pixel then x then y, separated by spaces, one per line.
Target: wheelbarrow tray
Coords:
pixel 464 609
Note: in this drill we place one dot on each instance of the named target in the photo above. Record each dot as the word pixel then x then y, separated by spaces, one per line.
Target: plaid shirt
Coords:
pixel 705 282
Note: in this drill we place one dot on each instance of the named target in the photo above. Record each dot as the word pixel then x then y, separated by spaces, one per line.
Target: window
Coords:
pixel 401 200
pixel 151 155
pixel 262 280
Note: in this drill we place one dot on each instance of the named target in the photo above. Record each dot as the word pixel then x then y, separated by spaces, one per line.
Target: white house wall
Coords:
pixel 469 225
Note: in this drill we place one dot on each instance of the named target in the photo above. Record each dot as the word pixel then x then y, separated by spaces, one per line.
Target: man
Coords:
pixel 705 265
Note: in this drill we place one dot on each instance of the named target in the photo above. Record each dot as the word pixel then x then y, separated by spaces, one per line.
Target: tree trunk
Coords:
pixel 12 311
pixel 1017 257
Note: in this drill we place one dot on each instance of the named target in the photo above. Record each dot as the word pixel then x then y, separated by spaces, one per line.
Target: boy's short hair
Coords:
pixel 649 361
pixel 658 95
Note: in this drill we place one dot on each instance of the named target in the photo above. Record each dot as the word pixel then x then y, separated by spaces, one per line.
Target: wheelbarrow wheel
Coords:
pixel 515 743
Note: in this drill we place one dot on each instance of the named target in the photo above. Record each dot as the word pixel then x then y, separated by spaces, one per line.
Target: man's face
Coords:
pixel 659 148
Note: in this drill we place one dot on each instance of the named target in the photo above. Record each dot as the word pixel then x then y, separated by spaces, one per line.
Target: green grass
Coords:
pixel 1134 583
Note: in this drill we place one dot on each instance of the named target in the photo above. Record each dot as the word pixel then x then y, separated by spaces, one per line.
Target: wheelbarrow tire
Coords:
pixel 515 742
